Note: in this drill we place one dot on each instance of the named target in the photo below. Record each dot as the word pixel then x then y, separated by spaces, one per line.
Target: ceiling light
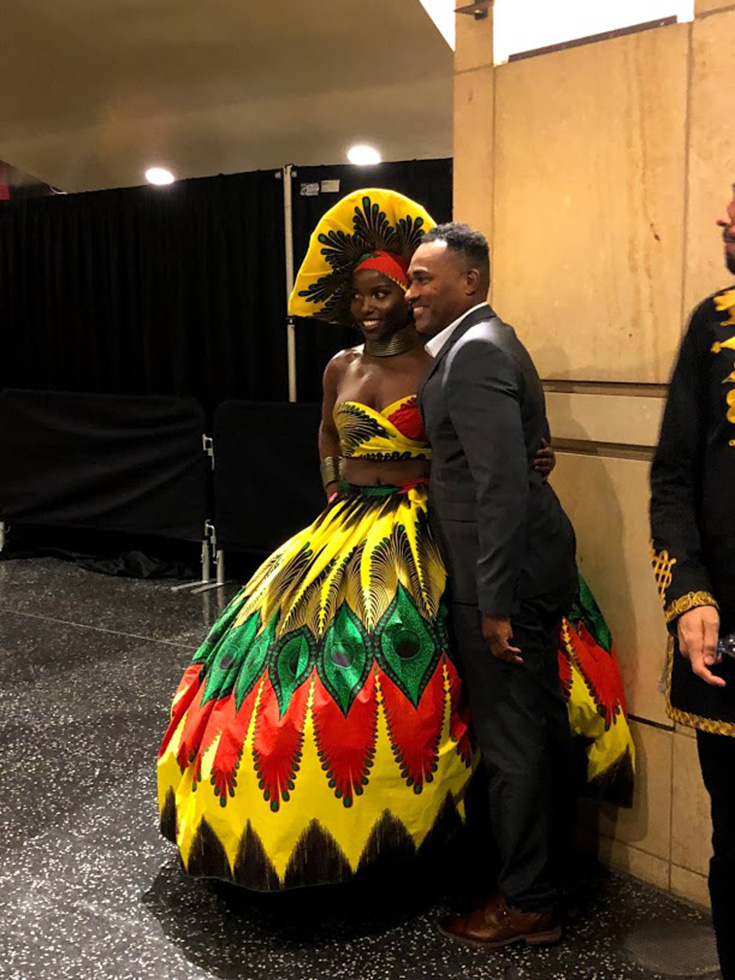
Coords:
pixel 159 176
pixel 363 156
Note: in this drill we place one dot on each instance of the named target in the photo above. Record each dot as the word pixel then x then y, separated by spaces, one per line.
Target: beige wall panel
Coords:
pixel 589 205
pixel 711 155
pixel 706 6
pixel 631 420
pixel 607 500
pixel 473 148
pixel 647 825
pixel 691 829
pixel 635 862
pixel 474 42
pixel 690 886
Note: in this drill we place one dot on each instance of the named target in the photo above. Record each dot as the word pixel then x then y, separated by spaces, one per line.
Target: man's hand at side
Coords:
pixel 698 631
pixel 498 634
pixel 545 460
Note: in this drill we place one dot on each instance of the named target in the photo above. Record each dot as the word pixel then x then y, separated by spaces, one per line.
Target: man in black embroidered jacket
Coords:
pixel 509 549
pixel 693 554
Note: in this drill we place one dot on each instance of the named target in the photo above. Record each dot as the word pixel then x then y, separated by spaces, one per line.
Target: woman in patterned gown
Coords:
pixel 320 728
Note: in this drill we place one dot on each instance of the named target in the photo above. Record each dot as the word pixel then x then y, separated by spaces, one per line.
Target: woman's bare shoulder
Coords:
pixel 342 361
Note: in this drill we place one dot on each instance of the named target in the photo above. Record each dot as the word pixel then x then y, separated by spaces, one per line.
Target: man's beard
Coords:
pixel 730 262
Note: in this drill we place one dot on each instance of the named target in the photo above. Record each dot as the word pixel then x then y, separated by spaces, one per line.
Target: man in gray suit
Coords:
pixel 509 549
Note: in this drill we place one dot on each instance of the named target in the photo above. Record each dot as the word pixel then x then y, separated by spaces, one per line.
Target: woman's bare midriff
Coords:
pixel 367 473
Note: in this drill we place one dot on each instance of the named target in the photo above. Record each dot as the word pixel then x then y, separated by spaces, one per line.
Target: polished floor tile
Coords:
pixel 63 591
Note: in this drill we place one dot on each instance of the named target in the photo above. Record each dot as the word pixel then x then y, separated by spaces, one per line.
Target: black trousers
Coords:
pixel 717 759
pixel 522 727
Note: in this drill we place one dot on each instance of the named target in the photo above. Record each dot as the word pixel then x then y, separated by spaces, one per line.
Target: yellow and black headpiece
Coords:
pixel 370 228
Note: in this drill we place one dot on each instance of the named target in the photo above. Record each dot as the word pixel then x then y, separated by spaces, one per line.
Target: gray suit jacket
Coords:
pixel 501 528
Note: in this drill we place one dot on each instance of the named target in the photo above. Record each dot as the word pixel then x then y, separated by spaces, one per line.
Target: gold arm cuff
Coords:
pixel 686 602
pixel 329 469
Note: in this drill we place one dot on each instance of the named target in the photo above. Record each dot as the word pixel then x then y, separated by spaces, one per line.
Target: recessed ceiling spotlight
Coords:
pixel 363 156
pixel 159 176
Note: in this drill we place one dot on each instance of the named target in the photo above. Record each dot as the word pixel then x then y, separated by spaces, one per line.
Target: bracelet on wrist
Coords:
pixel 329 469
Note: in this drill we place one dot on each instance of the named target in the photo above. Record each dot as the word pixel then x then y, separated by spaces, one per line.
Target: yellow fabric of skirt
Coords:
pixel 319 727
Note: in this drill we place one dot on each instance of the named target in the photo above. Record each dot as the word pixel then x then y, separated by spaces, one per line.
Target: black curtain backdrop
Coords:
pixel 177 290
pixel 427 181
pixel 104 462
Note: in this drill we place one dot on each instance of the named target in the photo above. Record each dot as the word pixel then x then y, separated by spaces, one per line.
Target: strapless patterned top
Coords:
pixel 396 432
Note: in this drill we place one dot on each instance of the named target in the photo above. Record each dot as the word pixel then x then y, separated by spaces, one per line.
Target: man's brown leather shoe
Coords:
pixel 497 924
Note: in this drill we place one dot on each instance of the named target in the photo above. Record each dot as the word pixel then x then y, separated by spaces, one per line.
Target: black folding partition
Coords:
pixel 133 464
pixel 138 465
pixel 266 473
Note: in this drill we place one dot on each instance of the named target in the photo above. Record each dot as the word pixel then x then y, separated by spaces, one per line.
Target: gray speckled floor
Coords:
pixel 90 891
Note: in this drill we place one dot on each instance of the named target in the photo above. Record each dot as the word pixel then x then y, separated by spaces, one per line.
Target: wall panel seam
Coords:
pixel 671 810
pixel 609 450
pixel 638 389
pixel 713 13
pixel 637 847
pixel 468 71
pixel 652 724
pixel 691 871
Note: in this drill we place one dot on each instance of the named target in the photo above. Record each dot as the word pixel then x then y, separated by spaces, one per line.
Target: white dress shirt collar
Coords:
pixel 436 343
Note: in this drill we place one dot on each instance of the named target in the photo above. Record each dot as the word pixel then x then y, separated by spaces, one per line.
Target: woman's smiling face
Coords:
pixel 378 304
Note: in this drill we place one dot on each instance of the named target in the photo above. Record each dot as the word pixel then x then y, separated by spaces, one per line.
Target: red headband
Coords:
pixel 391 265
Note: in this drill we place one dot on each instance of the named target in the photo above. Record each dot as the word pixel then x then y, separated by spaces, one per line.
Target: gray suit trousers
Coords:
pixel 522 727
